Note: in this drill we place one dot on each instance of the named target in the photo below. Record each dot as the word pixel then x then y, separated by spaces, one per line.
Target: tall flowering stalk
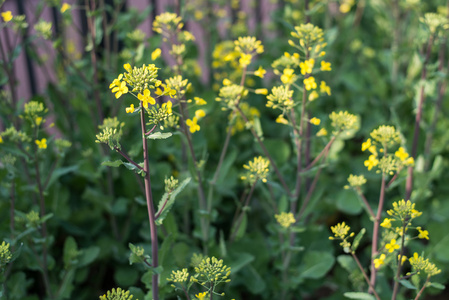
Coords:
pixel 144 85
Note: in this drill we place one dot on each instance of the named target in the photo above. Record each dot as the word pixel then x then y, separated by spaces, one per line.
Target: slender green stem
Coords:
pixel 128 158
pixel 150 207
pixel 422 289
pixel 375 238
pixel 242 212
pixel 398 272
pixel 365 276
pixel 422 97
pixel 368 207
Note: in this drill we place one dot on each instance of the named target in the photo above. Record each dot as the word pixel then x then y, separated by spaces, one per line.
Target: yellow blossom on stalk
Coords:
pixel 404 210
pixel 322 132
pixel 423 234
pixel 340 230
pixel 199 114
pixel 213 271
pixel 310 83
pixel 325 66
pixel 261 91
pixel 65 7
pixel 403 258
pixel 227 82
pixel 248 44
pixel 356 181
pixel 245 59
pixel 280 119
pixel 168 107
pixel 193 125
pixel 42 144
pixel 167 21
pixel 401 154
pixel 371 162
pixel 146 98
pixel 285 219
pixel 419 264
pixel 307 66
pixel 386 223
pixel 7 16
pixel 260 72
pixel 325 88
pixel 130 109
pixel 344 123
pixel 119 89
pixel 315 121
pixel 38 120
pixel 258 169
pixel 386 135
pixel 5 254
pixel 230 95
pixel 199 101
pixel 118 294
pixel 1 139
pixel 288 76
pixel 379 261
pixel 392 246
pixel 156 53
pixel 366 145
pixel 179 276
pixel 313 95
pixel 280 97
pixel 201 296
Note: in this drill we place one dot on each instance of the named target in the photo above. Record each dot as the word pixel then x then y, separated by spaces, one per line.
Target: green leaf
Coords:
pixel 359 295
pixel 254 280
pixel 70 252
pixel 407 284
pixel 357 239
pixel 242 226
pixel 316 264
pixel 348 202
pixel 437 285
pixel 240 260
pixel 114 164
pixel 168 200
pixel 60 172
pixel 347 263
pixel 159 135
pixel 88 255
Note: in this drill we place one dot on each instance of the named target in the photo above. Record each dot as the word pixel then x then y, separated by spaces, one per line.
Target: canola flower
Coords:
pixel 65 7
pixel 379 261
pixel 179 276
pixel 7 16
pixel 201 296
pixel 355 181
pixel 392 246
pixel 340 232
pixel 285 219
pixel 257 169
pixel 211 272
pixel 5 254
pixel 117 294
pixel 419 264
pixel 41 144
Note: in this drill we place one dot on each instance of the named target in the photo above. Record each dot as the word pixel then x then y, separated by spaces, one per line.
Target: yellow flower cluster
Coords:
pixel 419 264
pixel 258 169
pixel 237 122
pixel 117 294
pixel 355 181
pixel 5 254
pixel 404 211
pixel 340 232
pixel 212 271
pixel 230 95
pixel 111 132
pixel 285 219
pixel 344 123
pixel 179 276
pixel 280 97
pixel 247 47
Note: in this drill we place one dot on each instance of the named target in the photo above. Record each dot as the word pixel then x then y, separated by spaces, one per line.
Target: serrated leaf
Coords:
pixel 359 295
pixel 168 200
pixel 407 284
pixel 159 135
pixel 357 239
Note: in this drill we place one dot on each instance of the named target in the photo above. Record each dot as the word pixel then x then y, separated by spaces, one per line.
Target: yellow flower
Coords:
pixel 401 154
pixel 199 114
pixel 261 91
pixel 423 234
pixel 310 83
pixel 315 121
pixel 288 76
pixel 379 261
pixel 7 16
pixel 156 53
pixel 128 68
pixel 42 144
pixel 245 59
pixel 1 139
pixel 392 246
pixel 280 119
pixel 226 82
pixel 344 8
pixel 325 66
pixel 322 132
pixel 65 7
pixel 146 98
pixel 285 219
pixel 168 106
pixel 386 223
pixel 325 88
pixel 120 89
pixel 313 95
pixel 38 120
pixel 371 162
pixel 366 144
pixel 260 72
pixel 201 296
pixel 409 161
pixel 130 109
pixel 403 258
pixel 199 101
pixel 193 125
pixel 307 66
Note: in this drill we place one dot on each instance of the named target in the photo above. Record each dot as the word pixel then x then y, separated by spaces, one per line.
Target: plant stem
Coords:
pixel 150 207
pixel 409 182
pixel 365 276
pixel 240 218
pixel 376 234
pixel 128 158
pixel 368 207
pixel 422 289
pixel 398 272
